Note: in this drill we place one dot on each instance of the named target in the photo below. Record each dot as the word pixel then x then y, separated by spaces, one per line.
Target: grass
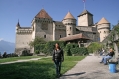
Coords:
pixel 41 69
pixel 2 60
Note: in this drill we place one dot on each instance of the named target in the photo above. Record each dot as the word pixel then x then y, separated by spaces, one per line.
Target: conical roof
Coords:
pixel 103 21
pixel 43 14
pixel 69 16
pixel 18 25
pixel 85 12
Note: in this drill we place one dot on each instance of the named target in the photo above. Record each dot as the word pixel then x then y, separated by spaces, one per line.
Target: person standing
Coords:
pixel 58 58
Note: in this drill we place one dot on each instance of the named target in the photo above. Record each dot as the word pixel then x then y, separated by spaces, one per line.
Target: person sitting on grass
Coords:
pixel 57 58
pixel 107 57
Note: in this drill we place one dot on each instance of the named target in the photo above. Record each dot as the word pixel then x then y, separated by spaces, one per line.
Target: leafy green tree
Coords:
pixel 95 46
pixel 37 40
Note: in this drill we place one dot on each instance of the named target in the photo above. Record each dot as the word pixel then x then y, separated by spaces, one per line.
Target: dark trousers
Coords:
pixel 57 66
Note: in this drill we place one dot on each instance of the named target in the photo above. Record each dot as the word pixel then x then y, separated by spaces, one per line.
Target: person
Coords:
pixel 58 58
pixel 101 53
pixel 107 57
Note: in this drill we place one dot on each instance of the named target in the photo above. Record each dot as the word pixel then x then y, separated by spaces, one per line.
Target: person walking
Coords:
pixel 58 58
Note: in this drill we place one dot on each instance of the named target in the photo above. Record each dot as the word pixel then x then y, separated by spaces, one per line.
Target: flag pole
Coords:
pixel 84 5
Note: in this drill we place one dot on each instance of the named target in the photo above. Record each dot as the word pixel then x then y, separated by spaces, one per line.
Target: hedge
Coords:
pixel 68 47
pixel 79 51
pixel 39 48
pixel 49 46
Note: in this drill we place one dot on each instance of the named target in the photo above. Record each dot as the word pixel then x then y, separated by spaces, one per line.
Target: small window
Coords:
pixel 70 28
pixel 44 36
pixel 60 36
pixel 104 32
pixel 68 34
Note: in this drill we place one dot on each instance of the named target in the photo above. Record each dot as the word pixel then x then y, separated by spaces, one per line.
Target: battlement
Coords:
pixel 24 30
pixel 42 20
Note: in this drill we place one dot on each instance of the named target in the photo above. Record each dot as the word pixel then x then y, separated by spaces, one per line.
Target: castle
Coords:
pixel 44 26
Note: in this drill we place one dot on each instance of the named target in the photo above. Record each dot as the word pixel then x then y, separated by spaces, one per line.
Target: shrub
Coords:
pixel 95 46
pixel 68 47
pixel 37 52
pixel 40 47
pixel 26 52
pixel 79 51
pixel 50 46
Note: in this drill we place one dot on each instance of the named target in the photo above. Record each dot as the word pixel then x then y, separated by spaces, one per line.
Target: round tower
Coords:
pixel 103 27
pixel 70 22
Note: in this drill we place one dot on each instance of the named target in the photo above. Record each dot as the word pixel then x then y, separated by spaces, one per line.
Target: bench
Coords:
pixel 113 59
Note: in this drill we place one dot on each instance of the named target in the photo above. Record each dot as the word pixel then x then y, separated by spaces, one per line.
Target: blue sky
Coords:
pixel 25 10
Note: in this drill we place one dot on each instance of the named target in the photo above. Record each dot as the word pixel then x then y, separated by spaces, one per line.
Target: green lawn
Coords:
pixel 2 60
pixel 40 69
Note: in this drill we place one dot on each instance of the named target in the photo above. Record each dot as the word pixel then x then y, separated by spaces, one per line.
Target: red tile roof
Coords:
pixel 75 37
pixel 43 14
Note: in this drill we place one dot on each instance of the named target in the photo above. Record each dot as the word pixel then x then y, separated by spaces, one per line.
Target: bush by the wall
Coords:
pixel 37 52
pixel 26 52
pixel 51 44
pixel 79 51
pixel 48 47
pixel 40 47
pixel 68 47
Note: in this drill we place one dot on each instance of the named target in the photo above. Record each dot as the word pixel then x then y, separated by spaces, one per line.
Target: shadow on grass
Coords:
pixel 28 70
pixel 75 74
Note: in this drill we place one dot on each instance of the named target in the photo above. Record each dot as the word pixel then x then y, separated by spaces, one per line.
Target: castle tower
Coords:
pixel 18 25
pixel 103 27
pixel 43 26
pixel 85 19
pixel 70 22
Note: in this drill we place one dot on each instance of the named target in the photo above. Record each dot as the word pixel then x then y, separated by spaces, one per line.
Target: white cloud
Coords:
pixel 1 39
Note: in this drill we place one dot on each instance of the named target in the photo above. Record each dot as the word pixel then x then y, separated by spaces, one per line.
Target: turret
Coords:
pixel 70 22
pixel 18 25
pixel 103 27
pixel 85 19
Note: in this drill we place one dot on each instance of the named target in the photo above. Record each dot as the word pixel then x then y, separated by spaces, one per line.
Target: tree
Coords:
pixel 95 46
pixel 37 40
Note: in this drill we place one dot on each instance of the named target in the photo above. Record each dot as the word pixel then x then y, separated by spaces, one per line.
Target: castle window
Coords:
pixel 44 36
pixel 60 36
pixel 70 28
pixel 68 34
pixel 104 32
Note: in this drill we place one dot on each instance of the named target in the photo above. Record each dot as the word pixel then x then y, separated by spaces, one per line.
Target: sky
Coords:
pixel 26 10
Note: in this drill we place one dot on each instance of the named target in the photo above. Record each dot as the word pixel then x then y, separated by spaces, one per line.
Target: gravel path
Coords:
pixel 24 60
pixel 90 68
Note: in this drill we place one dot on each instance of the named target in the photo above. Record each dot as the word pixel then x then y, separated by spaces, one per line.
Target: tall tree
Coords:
pixel 37 40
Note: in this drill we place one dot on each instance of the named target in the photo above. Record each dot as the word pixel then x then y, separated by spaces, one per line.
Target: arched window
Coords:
pixel 60 36
pixel 44 36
